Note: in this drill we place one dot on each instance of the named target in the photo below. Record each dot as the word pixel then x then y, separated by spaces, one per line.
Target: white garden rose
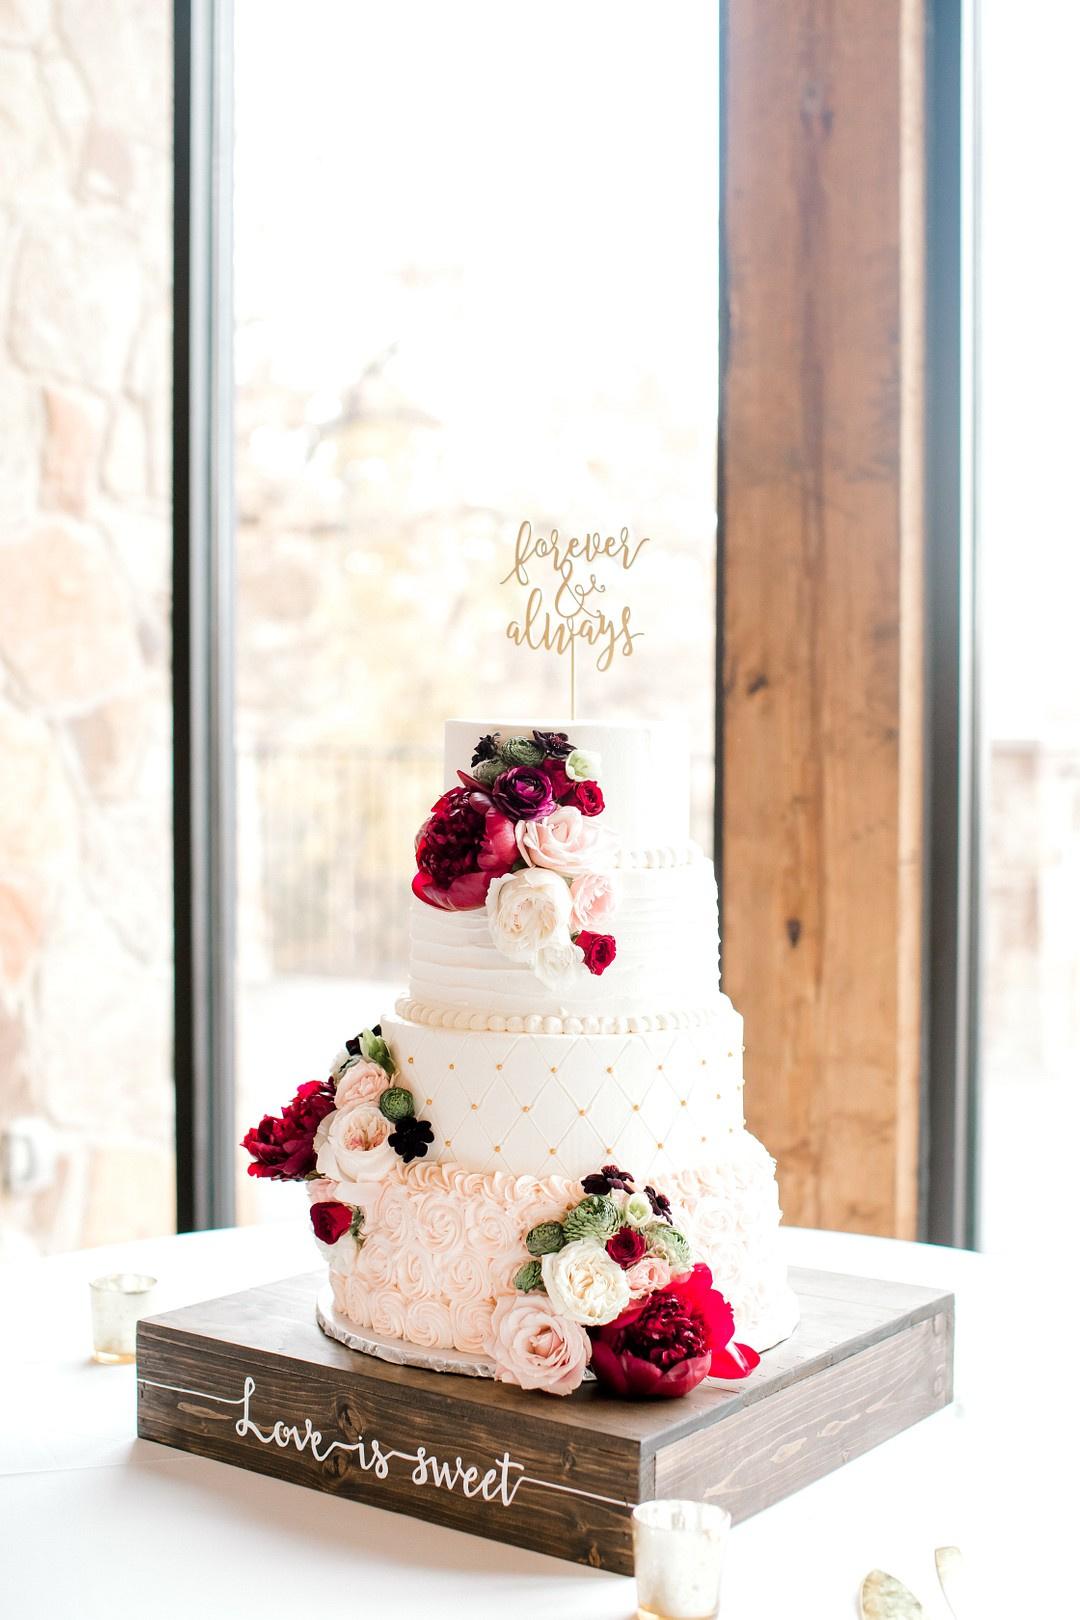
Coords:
pixel 559 965
pixel 340 1256
pixel 584 1283
pixel 351 1146
pixel 527 911
pixel 583 765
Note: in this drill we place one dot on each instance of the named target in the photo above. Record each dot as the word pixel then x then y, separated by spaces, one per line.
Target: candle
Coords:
pixel 678 1559
pixel 116 1304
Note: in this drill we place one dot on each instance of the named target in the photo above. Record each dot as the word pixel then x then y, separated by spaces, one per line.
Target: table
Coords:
pixel 96 1523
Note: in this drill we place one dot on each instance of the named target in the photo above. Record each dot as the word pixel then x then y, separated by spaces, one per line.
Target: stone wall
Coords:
pixel 85 852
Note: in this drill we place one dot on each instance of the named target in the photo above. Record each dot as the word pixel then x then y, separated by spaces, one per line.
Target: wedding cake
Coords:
pixel 537 1161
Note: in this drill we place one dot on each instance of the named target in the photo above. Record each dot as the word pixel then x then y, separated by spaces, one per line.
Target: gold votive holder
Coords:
pixel 679 1552
pixel 116 1304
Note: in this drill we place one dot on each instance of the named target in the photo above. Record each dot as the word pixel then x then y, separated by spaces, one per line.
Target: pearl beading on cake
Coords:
pixel 460 1018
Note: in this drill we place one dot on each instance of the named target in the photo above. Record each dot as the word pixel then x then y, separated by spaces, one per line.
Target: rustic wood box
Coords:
pixel 251 1379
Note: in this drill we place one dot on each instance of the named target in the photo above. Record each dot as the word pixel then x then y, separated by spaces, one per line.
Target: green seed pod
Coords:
pixel 547 1238
pixel 397 1103
pixel 529 1277
pixel 521 751
pixel 487 770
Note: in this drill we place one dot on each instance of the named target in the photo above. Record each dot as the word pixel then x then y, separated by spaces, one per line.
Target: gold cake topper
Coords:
pixel 558 617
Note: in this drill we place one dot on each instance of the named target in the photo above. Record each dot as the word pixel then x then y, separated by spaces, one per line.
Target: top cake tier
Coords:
pixel 644 771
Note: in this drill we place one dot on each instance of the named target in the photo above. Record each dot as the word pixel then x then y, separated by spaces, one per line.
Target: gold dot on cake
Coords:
pixel 554 1068
pixel 474 1106
pixel 704 1138
pixel 524 1108
pixel 610 1069
pixel 660 1067
pixel 635 1106
pixel 498 1149
pixel 450 1065
pixel 682 1102
pixel 410 1060
pixel 551 1150
pixel 430 1100
pixel 446 1143
pixel 581 1111
pixel 660 1145
pixel 498 1065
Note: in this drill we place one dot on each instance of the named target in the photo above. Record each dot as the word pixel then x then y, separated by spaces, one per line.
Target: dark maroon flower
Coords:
pixel 411 1138
pixel 561 786
pixel 330 1220
pixel 555 744
pixel 609 1178
pixel 661 1203
pixel 486 748
pixel 599 950
pixel 587 797
pixel 448 853
pixel 627 1247
pixel 283 1148
pixel 666 1345
pixel 523 793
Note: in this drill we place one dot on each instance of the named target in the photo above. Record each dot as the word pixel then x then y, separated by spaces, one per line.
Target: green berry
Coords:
pixel 397 1103
pixel 595 1217
pixel 529 1277
pixel 547 1238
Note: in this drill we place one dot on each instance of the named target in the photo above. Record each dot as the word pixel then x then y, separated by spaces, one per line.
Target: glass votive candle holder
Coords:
pixel 679 1558
pixel 116 1304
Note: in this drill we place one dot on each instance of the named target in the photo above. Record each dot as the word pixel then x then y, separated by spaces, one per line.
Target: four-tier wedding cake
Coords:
pixel 537 1162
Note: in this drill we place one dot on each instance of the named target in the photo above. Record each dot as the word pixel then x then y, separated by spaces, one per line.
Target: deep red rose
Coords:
pixel 588 797
pixel 666 1344
pixel 284 1148
pixel 561 785
pixel 627 1247
pixel 523 793
pixel 330 1220
pixel 599 950
pixel 448 848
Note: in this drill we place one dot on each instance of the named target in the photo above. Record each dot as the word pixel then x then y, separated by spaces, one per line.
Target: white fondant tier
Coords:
pixel 535 1104
pixel 644 770
pixel 443 1244
pixel 667 959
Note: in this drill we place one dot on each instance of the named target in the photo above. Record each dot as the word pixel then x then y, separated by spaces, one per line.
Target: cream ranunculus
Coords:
pixel 594 897
pixel 566 842
pixel 536 1347
pixel 584 1283
pixel 583 765
pixel 527 911
pixel 351 1146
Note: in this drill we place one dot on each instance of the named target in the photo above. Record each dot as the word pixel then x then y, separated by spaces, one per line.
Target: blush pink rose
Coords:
pixel 534 1347
pixel 594 897
pixel 362 1083
pixel 647 1276
pixel 566 842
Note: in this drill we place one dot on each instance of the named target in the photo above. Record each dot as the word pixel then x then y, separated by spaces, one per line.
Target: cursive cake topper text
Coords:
pixel 558 616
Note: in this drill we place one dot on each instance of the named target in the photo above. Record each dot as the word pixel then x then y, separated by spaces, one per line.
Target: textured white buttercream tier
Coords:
pixel 644 770
pixel 530 1105
pixel 442 1245
pixel 668 956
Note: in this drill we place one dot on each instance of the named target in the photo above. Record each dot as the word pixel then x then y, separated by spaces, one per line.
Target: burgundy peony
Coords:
pixel 665 1346
pixel 587 797
pixel 599 950
pixel 284 1148
pixel 627 1247
pixel 448 848
pixel 498 847
pixel 523 793
pixel 330 1220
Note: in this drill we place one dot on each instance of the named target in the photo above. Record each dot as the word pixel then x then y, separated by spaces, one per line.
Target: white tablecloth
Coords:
pixel 96 1523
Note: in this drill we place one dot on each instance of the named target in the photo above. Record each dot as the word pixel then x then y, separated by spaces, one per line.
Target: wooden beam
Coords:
pixel 822 555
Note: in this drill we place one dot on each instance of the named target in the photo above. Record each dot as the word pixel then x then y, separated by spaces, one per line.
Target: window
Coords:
pixel 476 283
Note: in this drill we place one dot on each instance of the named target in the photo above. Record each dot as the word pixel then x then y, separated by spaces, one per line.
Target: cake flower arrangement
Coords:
pixel 518 836
pixel 613 1286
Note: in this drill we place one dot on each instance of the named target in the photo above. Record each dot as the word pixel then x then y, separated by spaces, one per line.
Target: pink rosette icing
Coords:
pixel 339 1287
pixel 535 1348
pixel 378 1261
pixel 463 1277
pixel 361 1083
pixel 395 1214
pixel 470 1324
pixel 493 1233
pixel 356 1296
pixel 427 1323
pixel 387 1310
pixel 440 1222
pixel 413 1274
